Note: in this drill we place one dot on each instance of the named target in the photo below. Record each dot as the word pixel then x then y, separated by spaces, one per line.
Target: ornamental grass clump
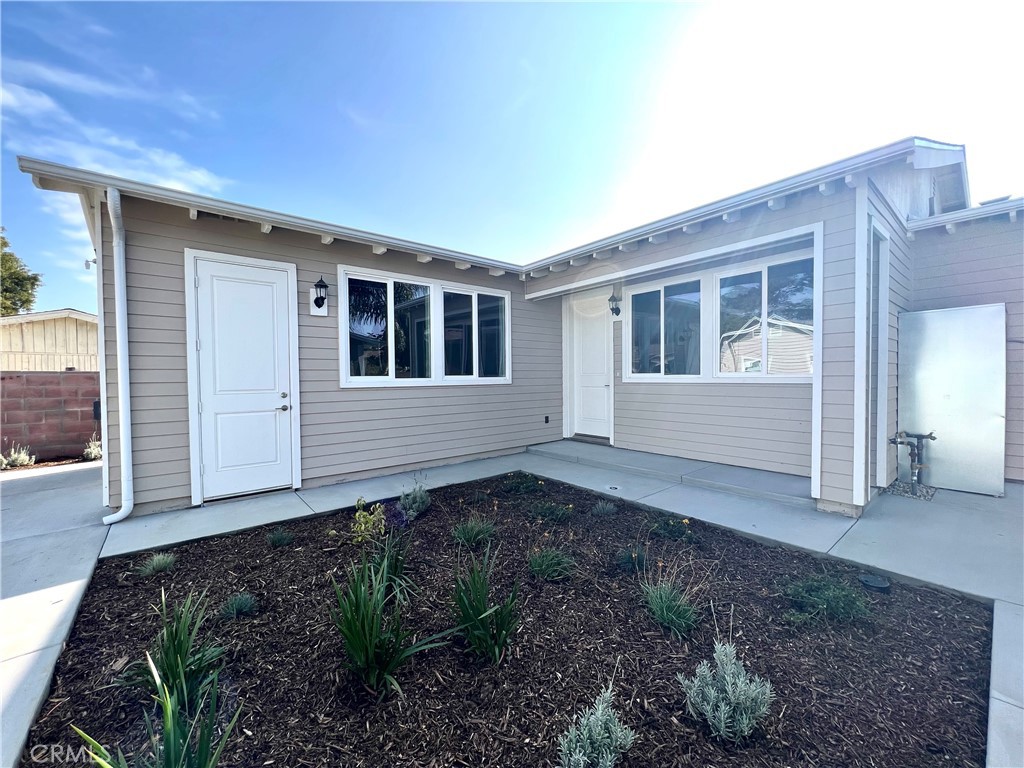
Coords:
pixel 597 738
pixel 551 564
pixel 369 617
pixel 279 537
pixel 487 629
pixel 630 560
pixel 238 606
pixel 181 741
pixel 414 502
pixel 156 563
pixel 387 556
pixel 473 532
pixel 603 508
pixel 729 699
pixel 93 449
pixel 188 664
pixel 822 598
pixel 668 604
pixel 553 513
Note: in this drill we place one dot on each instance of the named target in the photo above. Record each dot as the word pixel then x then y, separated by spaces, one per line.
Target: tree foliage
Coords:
pixel 17 284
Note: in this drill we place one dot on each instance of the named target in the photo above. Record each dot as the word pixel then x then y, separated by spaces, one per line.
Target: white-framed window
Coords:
pixel 753 320
pixel 399 330
pixel 665 336
pixel 765 320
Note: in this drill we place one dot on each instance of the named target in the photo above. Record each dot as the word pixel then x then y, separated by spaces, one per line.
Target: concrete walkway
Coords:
pixel 50 537
pixel 967 543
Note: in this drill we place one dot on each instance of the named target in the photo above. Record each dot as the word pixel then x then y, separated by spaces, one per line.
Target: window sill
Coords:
pixel 736 379
pixel 419 383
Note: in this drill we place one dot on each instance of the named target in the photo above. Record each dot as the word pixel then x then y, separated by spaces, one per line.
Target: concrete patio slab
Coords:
pixel 610 481
pixel 972 549
pixel 24 684
pixel 68 556
pixel 764 519
pixel 756 480
pixel 63 500
pixel 328 498
pixel 1007 677
pixel 1005 746
pixel 635 462
pixel 137 534
pixel 35 620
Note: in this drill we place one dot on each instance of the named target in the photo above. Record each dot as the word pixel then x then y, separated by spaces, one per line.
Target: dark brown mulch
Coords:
pixel 906 687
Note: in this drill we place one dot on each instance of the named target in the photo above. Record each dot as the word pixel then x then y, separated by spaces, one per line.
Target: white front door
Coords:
pixel 245 360
pixel 592 349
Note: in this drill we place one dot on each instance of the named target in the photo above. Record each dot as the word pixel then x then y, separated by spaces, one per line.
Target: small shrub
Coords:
pixel 156 563
pixel 414 502
pixel 487 629
pixel 367 526
pixel 821 598
pixel 551 564
pixel 730 700
pixel 669 605
pixel 3 462
pixel 394 516
pixel 479 497
pixel 190 666
pixel 473 532
pixel 553 513
pixel 631 560
pixel 93 449
pixel 673 528
pixel 603 508
pixel 238 606
pixel 520 484
pixel 183 742
pixel 597 739
pixel 18 456
pixel 368 616
pixel 279 537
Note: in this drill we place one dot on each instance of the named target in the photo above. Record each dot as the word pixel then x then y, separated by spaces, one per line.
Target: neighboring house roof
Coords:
pixel 919 152
pixel 1012 206
pixel 51 314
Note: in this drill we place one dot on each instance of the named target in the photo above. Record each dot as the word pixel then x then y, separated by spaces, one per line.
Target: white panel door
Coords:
pixel 592 326
pixel 244 375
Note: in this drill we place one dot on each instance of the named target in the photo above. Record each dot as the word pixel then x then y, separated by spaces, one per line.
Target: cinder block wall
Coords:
pixel 49 412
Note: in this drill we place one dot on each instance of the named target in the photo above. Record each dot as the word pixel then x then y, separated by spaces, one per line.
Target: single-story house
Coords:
pixel 54 340
pixel 248 350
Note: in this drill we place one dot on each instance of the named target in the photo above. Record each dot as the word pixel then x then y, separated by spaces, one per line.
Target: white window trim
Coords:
pixel 882 387
pixel 709 319
pixel 437 289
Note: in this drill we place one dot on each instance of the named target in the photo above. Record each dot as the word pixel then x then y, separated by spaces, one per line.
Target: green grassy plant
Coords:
pixel 473 532
pixel 603 508
pixel 238 606
pixel 368 617
pixel 387 557
pixel 156 563
pixel 631 560
pixel 551 564
pixel 279 537
pixel 668 604
pixel 183 741
pixel 822 598
pixel 487 629
pixel 520 484
pixel 673 528
pixel 553 513
pixel 188 664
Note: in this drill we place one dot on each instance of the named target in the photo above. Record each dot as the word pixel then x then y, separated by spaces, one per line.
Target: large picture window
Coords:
pixel 387 330
pixel 766 320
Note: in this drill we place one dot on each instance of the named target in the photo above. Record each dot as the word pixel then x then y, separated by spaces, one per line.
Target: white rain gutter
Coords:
pixel 124 405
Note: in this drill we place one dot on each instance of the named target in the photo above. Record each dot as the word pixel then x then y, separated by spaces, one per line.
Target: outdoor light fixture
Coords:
pixel 318 298
pixel 613 303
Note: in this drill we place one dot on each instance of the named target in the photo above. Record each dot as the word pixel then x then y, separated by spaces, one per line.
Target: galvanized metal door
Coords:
pixel 952 380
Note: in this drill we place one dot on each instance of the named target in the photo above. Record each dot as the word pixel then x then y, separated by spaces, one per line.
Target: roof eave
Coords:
pixel 1004 207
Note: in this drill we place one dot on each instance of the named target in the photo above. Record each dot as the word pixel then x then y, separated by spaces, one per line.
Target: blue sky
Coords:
pixel 511 131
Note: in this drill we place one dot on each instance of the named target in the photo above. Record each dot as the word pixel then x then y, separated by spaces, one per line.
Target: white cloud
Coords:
pixel 30 104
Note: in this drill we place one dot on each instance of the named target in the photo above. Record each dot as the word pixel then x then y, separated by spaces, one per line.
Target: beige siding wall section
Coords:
pixel 982 262
pixel 345 433
pixel 55 344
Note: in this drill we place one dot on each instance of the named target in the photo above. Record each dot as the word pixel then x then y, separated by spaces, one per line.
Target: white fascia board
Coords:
pixel 790 185
pixel 1002 208
pixel 54 176
pixel 50 314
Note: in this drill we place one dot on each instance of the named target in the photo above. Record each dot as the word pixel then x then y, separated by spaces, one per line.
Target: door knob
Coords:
pixel 283 408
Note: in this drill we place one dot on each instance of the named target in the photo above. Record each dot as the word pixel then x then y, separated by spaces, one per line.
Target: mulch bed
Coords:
pixel 907 686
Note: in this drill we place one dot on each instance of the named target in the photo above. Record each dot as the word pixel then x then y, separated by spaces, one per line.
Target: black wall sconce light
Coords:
pixel 318 298
pixel 321 292
pixel 613 304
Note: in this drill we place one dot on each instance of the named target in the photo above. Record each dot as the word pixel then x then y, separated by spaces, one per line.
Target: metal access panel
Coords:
pixel 952 380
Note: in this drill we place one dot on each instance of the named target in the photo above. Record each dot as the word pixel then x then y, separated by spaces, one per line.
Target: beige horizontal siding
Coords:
pixel 982 262
pixel 344 433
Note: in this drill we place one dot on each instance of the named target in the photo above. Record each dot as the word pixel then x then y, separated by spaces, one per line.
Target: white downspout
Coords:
pixel 124 405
